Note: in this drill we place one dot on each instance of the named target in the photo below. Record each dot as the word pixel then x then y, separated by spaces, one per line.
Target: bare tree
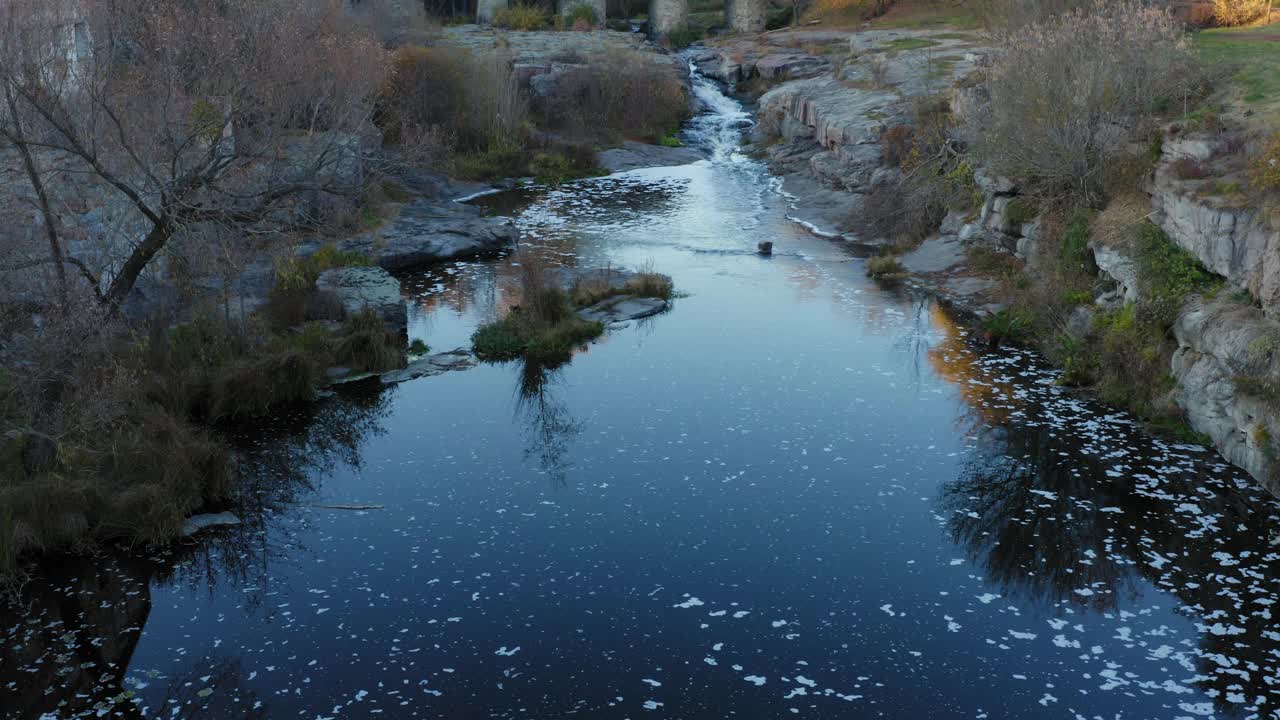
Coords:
pixel 245 114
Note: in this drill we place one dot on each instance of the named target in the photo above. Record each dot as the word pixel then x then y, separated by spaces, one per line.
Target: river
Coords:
pixel 794 494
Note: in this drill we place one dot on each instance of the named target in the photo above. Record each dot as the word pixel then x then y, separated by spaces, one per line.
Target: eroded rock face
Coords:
pixel 1119 266
pixel 1233 242
pixel 1215 343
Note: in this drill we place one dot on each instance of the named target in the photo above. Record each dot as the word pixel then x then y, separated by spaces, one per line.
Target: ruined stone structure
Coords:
pixel 597 6
pixel 667 15
pixel 486 9
pixel 742 16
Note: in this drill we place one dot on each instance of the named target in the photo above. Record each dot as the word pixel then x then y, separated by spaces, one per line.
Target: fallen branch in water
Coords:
pixel 349 507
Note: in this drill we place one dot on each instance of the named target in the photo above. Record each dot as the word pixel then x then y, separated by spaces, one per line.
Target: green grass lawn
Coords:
pixel 1251 57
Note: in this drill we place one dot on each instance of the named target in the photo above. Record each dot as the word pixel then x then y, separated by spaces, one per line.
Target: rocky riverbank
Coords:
pixel 828 102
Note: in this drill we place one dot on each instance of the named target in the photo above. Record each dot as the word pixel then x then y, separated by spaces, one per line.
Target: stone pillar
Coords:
pixel 599 6
pixel 746 16
pixel 667 15
pixel 486 9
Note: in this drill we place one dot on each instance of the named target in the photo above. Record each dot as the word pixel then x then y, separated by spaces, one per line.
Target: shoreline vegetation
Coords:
pixel 1142 105
pixel 120 374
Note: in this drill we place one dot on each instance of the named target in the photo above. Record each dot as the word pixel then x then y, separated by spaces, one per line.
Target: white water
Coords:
pixel 719 128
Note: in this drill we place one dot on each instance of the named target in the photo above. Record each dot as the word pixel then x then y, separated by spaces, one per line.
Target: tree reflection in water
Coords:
pixel 65 649
pixel 1067 503
pixel 548 426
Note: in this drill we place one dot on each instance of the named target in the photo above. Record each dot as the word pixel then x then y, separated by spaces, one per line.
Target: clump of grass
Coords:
pixel 251 388
pixel 521 17
pixel 519 335
pixel 1264 170
pixel 564 163
pixel 650 284
pixel 681 38
pixel 493 162
pixel 417 347
pixel 299 272
pixel 1022 210
pixel 366 345
pixel 137 484
pixel 886 268
pixel 1009 324
pixel 580 15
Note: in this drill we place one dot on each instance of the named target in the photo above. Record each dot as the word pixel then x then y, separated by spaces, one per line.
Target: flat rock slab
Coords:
pixel 936 254
pixel 199 523
pixel 427 231
pixel 437 364
pixel 622 308
pixel 634 155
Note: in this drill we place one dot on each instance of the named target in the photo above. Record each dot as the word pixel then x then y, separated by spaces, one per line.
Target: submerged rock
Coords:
pixel 199 523
pixel 621 308
pixel 764 247
pixel 431 365
pixel 366 288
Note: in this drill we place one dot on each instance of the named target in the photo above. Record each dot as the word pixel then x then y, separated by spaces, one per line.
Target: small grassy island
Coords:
pixel 561 309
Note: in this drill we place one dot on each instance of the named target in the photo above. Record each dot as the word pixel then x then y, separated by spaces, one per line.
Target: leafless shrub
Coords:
pixel 618 94
pixel 1070 93
pixel 437 97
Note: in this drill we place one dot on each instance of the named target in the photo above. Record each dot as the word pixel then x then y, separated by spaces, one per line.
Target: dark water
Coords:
pixel 794 494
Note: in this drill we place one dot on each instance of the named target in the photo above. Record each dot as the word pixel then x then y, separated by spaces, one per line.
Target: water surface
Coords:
pixel 796 493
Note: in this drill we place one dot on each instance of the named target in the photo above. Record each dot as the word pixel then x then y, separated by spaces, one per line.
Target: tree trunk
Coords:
pixel 138 260
pixel 42 197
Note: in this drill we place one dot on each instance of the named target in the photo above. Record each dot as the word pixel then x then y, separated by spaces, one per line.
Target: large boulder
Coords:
pixel 428 231
pixel 367 288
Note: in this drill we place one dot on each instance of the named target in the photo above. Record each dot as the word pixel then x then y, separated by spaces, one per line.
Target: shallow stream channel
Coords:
pixel 796 493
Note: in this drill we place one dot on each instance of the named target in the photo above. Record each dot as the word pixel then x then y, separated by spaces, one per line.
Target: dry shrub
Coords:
pixel 902 213
pixel 1067 95
pixel 897 142
pixel 620 94
pixel 123 466
pixel 1118 223
pixel 1233 13
pixel 1189 168
pixel 521 17
pixel 1264 169
pixel 847 9
pixel 447 97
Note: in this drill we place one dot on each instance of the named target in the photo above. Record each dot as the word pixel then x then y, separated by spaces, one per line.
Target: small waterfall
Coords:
pixel 718 129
